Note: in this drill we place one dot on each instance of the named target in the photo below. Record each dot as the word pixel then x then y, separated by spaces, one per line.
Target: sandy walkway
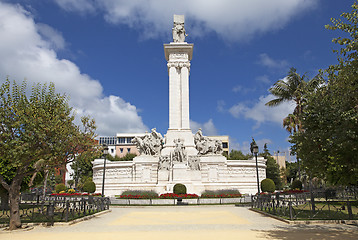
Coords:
pixel 183 222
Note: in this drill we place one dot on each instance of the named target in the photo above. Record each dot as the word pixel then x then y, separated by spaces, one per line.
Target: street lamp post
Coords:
pixel 105 152
pixel 254 150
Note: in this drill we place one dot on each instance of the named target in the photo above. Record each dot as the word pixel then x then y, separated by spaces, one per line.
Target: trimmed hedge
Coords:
pixel 267 185
pixel 222 193
pixel 139 194
pixel 179 189
pixel 89 187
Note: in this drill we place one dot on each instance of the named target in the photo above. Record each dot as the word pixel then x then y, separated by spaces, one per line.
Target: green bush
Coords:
pixel 89 187
pixel 143 193
pixel 222 193
pixel 179 189
pixel 267 185
pixel 60 187
pixel 297 184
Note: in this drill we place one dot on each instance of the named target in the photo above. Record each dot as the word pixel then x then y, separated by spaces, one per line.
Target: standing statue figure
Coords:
pixel 178 29
pixel 179 154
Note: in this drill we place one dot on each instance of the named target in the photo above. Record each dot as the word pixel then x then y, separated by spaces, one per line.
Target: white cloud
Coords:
pixel 27 51
pixel 208 128
pixel 51 36
pixel 261 113
pixel 264 79
pixel 267 61
pixel 230 19
pixel 220 106
pixel 241 89
pixel 82 6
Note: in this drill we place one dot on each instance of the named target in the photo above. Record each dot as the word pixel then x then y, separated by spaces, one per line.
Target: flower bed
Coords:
pixel 162 196
pixel 132 196
pixel 221 195
pixel 76 194
pixel 173 195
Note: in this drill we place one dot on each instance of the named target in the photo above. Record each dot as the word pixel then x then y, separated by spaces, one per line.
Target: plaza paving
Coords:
pixel 183 222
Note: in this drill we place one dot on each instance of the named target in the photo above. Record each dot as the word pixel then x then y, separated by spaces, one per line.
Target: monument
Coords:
pixel 181 156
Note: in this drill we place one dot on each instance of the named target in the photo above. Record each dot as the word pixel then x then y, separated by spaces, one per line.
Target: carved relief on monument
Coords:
pixel 180 56
pixel 194 162
pixel 164 163
pixel 150 144
pixel 178 64
pixel 205 145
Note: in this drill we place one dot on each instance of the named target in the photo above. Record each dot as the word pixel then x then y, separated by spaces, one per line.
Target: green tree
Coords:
pixel 293 88
pixel 291 171
pixel 329 145
pixel 272 168
pixel 238 155
pixel 37 133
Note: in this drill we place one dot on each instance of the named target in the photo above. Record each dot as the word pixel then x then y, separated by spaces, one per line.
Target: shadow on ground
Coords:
pixel 300 232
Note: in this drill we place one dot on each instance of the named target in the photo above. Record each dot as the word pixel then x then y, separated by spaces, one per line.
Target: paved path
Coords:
pixel 183 222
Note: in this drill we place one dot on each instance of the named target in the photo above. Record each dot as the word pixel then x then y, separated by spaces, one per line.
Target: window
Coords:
pixel 128 150
pixel 122 140
pixel 129 140
pixel 121 149
pixel 224 144
pixel 112 150
pixel 107 140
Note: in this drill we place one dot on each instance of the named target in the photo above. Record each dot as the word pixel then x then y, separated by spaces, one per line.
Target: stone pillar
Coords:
pixel 174 97
pixel 178 56
pixel 185 96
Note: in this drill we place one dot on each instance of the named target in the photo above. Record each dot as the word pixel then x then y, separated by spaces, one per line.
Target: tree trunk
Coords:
pixel 14 197
pixel 45 185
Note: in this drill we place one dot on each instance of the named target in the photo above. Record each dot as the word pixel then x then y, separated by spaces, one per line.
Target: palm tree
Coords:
pixel 293 88
pixel 290 123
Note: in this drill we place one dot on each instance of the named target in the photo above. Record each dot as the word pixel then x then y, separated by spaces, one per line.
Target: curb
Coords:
pixel 307 222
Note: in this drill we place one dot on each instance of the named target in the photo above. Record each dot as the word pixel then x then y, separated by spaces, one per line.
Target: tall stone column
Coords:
pixel 174 97
pixel 185 96
pixel 178 56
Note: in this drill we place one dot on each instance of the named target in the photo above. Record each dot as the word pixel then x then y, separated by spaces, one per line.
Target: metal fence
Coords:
pixel 318 205
pixel 56 209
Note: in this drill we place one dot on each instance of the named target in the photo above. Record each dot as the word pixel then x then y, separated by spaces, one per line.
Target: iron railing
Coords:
pixel 309 205
pixel 56 209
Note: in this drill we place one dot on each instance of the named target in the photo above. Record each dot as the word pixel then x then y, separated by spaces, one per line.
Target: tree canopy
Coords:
pixel 328 146
pixel 37 132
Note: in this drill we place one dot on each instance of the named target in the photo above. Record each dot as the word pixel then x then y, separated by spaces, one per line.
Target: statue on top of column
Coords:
pixel 178 29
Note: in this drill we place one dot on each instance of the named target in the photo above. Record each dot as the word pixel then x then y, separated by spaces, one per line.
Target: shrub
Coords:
pixel 179 189
pixel 223 193
pixel 297 184
pixel 89 187
pixel 60 187
pixel 267 185
pixel 139 194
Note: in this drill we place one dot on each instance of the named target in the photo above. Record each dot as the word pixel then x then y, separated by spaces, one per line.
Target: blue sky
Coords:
pixel 108 57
